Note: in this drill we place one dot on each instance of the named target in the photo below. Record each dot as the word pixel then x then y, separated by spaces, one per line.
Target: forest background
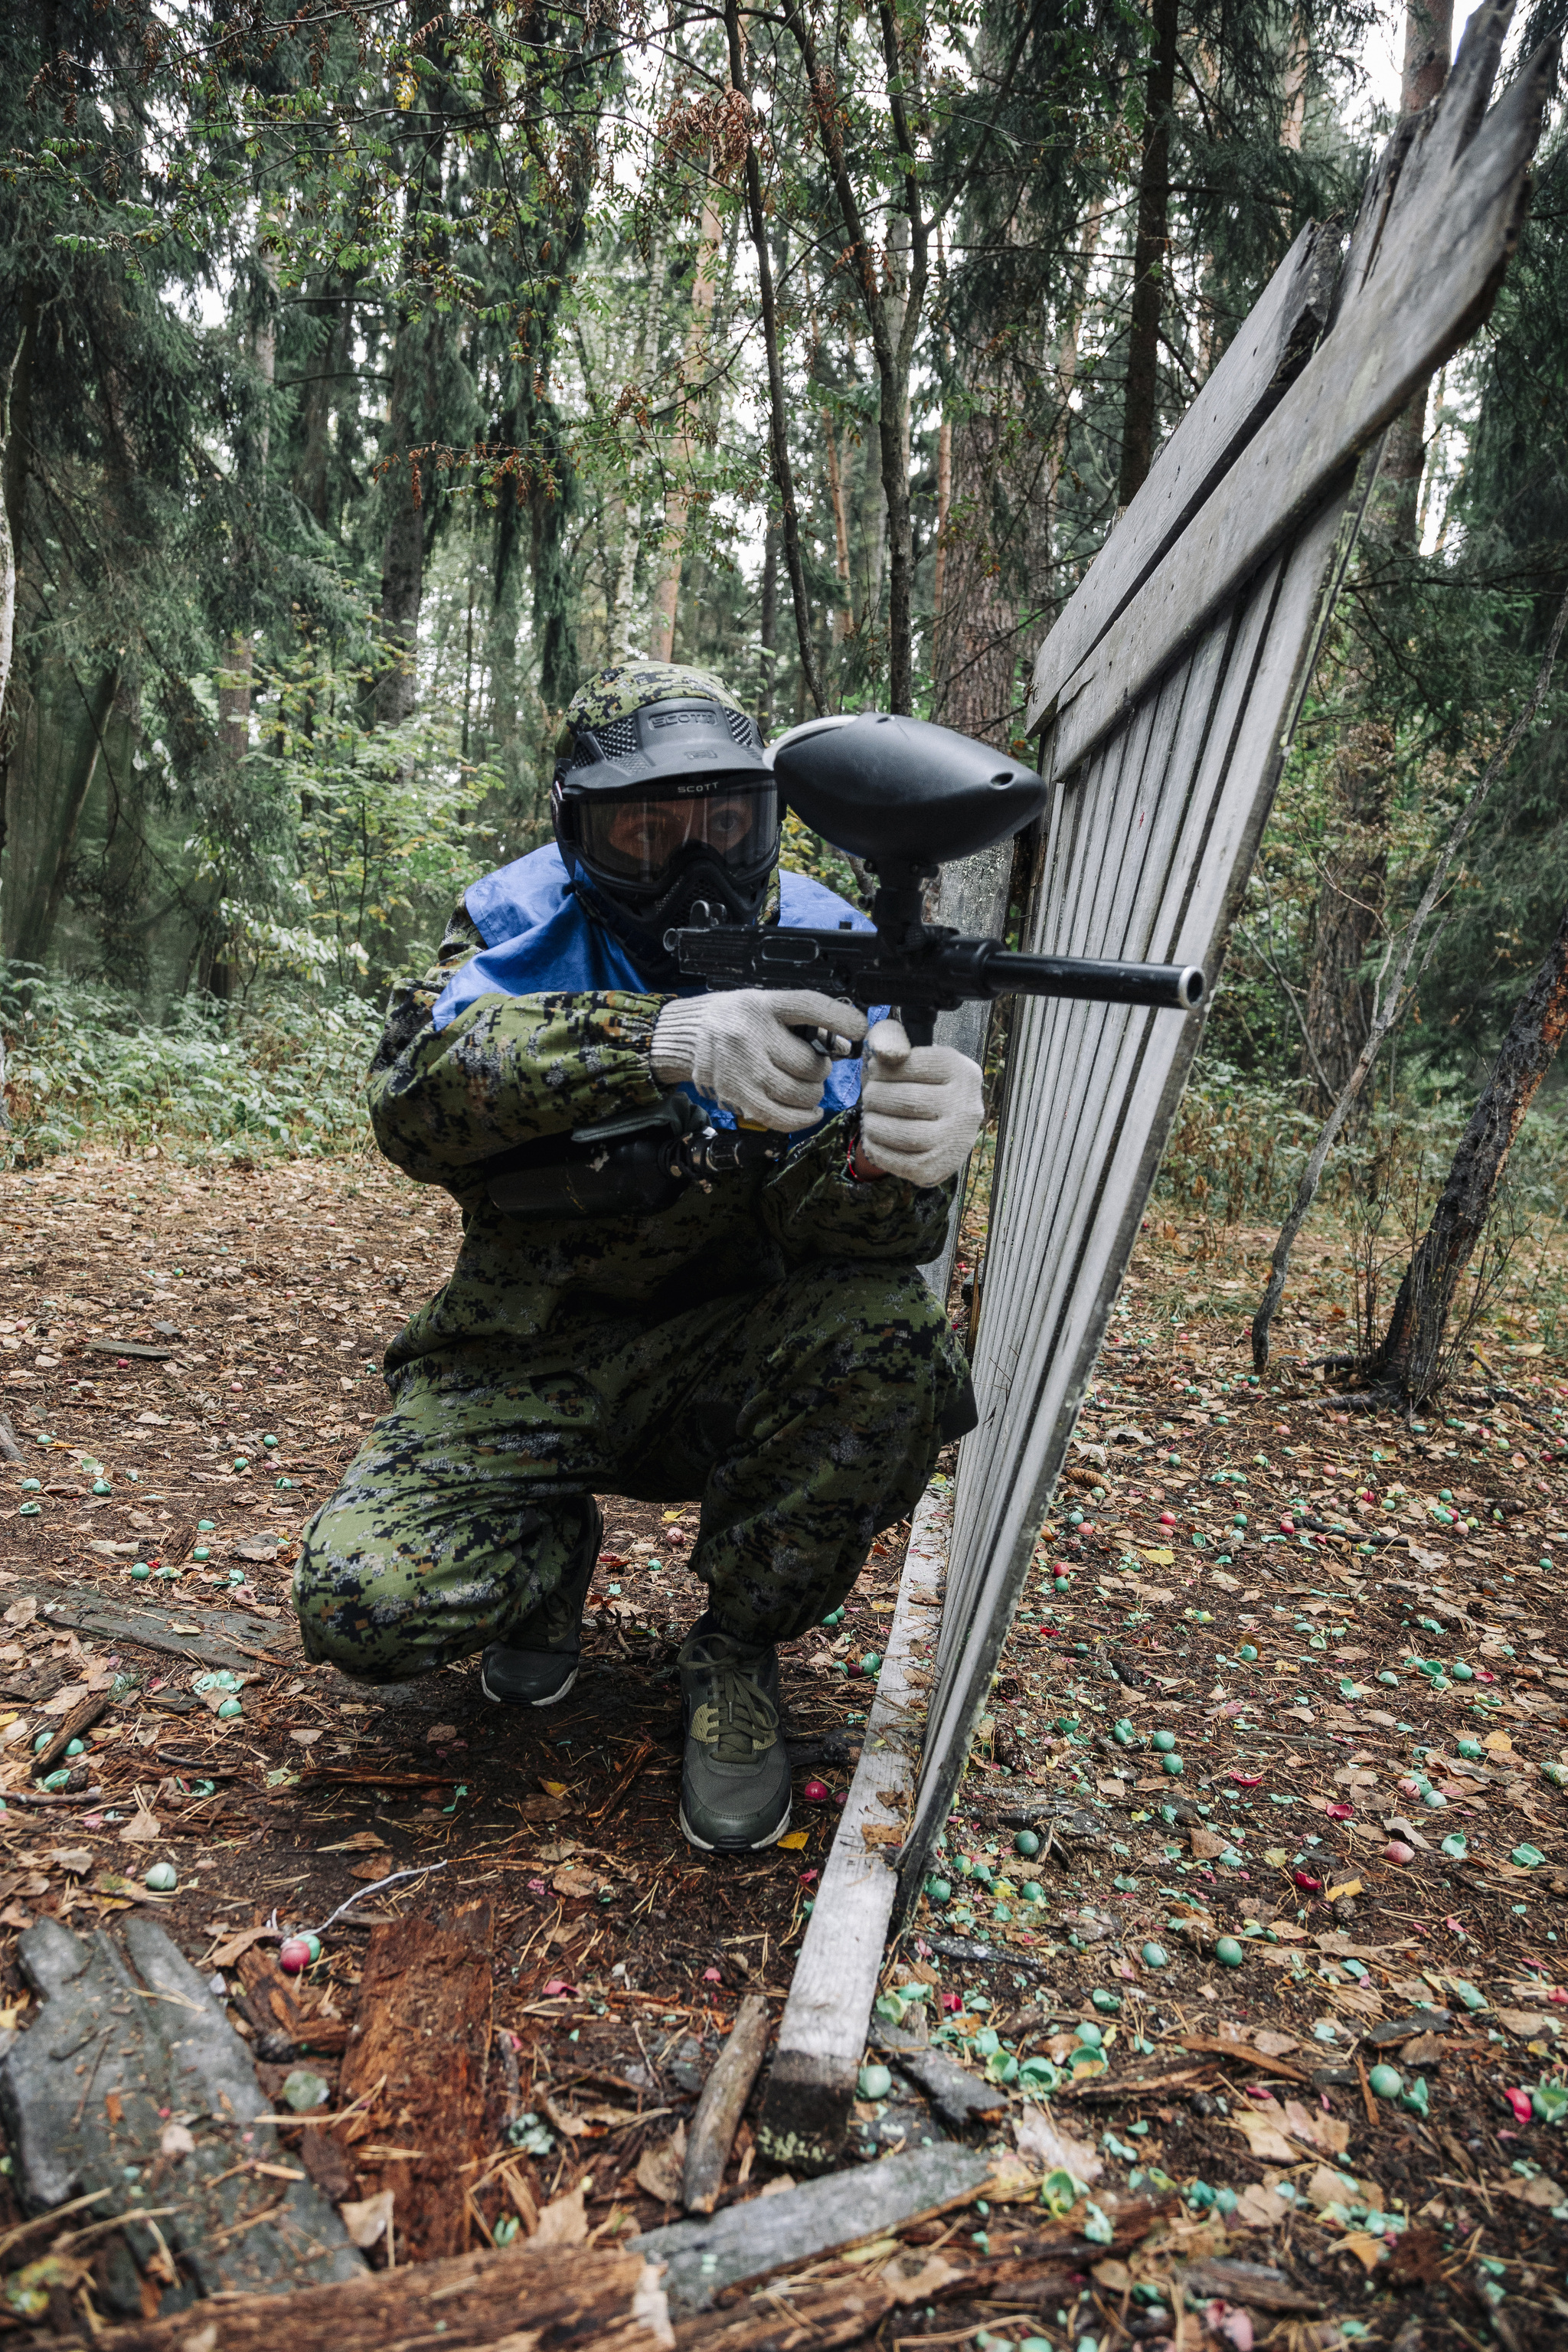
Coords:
pixel 371 373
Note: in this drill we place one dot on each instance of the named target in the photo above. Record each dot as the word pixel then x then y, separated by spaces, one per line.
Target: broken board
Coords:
pixel 773 2233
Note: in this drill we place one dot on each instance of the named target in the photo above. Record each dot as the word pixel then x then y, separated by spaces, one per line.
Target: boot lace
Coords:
pixel 737 1721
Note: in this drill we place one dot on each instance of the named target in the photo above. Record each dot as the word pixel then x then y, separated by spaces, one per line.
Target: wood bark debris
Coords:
pixel 722 2104
pixel 419 2054
pixel 127 2036
pixel 236 1638
pixel 767 2234
pixel 546 2299
pixel 82 1718
pixel 958 2096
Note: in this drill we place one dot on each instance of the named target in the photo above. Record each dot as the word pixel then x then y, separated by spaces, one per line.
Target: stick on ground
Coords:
pixel 723 2100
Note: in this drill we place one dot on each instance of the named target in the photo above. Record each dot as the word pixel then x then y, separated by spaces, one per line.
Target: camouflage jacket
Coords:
pixel 511 1070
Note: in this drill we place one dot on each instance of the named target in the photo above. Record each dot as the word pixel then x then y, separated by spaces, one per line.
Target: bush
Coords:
pixel 83 1062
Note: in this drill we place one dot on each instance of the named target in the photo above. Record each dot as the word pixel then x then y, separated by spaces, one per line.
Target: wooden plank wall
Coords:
pixel 1145 855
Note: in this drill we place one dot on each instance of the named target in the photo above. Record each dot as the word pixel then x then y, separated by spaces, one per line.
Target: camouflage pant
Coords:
pixel 804 1417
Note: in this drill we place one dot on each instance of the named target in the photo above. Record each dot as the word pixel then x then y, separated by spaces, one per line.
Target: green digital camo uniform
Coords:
pixel 767 1347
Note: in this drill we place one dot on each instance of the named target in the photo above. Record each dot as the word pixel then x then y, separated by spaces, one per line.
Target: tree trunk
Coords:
pixel 768 628
pixel 1066 377
pixel 810 680
pixel 1410 1355
pixel 943 509
pixel 403 553
pixel 16 444
pixel 646 367
pixel 1350 911
pixel 40 908
pixel 1428 47
pixel 1141 401
pixel 313 471
pixel 678 499
pixel 977 634
pixel 844 618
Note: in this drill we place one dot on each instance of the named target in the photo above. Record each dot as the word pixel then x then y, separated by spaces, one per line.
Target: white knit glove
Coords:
pixel 921 1107
pixel 737 1047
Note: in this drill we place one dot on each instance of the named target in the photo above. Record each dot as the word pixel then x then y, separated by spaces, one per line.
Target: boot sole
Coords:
pixel 498 1698
pixel 731 1845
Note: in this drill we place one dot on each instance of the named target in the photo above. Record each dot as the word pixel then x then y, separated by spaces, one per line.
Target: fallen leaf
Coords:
pixel 441 1735
pixel 368 2220
pixel 547 1808
pixel 1045 2144
pixel 380 1867
pixel 1264 2137
pixel 563 2222
pixel 1526 2021
pixel 1270 2045
pixel 1542 2190
pixel 793 1841
pixel 22 1612
pixel 660 2169
pixel 1319 2130
pixel 175 2140
pixel 1368 2251
pixel 878 1834
pixel 259 1547
pixel 1261 2208
pixel 232 1945
pixel 1328 2188
pixel 142 1829
pixel 302 1738
pixel 572 1880
pixel 1207 1844
pixel 78 1858
pixel 362 1841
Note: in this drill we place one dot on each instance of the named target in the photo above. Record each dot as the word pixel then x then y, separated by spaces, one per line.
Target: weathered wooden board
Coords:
pixel 126 2037
pixel 228 1637
pixel 822 2037
pixel 550 2299
pixel 773 2233
pixel 1439 218
pixel 418 2055
pixel 1268 353
pixel 1169 711
pixel 974 900
pixel 1187 785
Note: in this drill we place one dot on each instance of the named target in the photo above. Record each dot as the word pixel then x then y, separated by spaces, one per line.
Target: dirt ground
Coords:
pixel 1300 1675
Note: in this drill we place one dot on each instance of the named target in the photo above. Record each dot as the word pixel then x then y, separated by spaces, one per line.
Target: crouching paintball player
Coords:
pixel 753 1337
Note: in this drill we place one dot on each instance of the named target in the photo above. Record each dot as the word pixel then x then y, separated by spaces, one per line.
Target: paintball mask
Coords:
pixel 663 802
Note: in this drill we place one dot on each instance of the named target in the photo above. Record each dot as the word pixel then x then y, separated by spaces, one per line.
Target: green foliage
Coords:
pixel 217 1080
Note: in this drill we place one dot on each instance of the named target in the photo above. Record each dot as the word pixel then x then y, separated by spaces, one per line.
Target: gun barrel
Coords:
pixel 1176 986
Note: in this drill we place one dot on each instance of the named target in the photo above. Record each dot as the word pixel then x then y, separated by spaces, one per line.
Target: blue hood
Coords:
pixel 540 940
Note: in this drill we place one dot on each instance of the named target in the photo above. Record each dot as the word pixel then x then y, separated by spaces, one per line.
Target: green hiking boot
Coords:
pixel 734 1782
pixel 541 1666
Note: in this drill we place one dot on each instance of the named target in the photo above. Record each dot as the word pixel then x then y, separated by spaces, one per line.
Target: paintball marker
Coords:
pixel 909 797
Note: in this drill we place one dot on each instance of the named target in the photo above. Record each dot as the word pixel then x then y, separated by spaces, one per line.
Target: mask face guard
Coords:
pixel 669 808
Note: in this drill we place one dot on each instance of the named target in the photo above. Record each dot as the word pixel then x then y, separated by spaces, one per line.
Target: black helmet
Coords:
pixel 663 799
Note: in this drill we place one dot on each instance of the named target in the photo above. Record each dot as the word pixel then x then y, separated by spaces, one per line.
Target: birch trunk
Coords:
pixel 678 499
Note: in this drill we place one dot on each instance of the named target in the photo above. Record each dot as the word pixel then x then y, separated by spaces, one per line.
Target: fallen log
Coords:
pixel 553 2300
